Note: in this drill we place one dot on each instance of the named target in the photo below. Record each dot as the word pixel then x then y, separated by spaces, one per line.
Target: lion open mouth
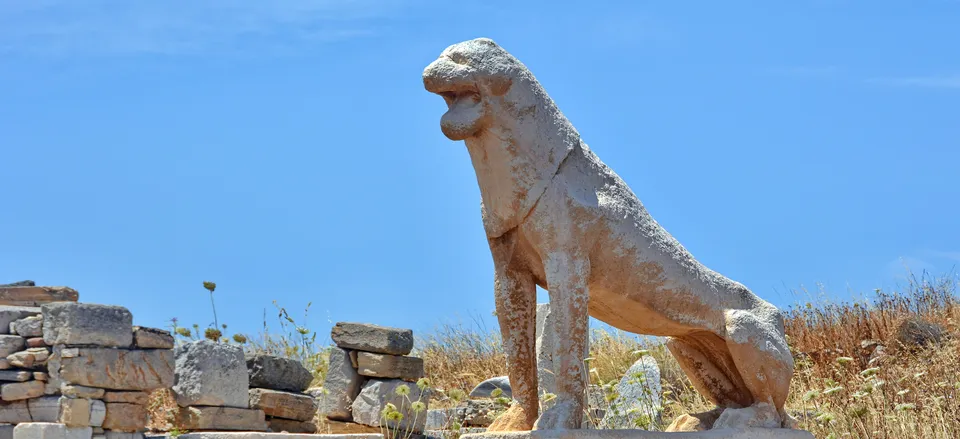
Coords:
pixel 463 116
pixel 456 84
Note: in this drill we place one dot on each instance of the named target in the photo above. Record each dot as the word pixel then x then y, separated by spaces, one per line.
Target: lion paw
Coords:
pixel 564 415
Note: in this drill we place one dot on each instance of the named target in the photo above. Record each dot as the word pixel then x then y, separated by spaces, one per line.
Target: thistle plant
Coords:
pixel 392 417
pixel 210 286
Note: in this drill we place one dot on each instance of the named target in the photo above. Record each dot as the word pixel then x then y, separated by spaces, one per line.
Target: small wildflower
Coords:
pixel 210 286
pixel 641 352
pixel 844 360
pixel 423 383
pixel 418 406
pixel 184 332
pixel 212 334
pixel 826 417
pixel 395 416
pixel 402 390
pixel 866 373
pixel 859 411
pixel 832 390
pixel 905 406
pixel 239 338
pixel 457 395
pixel 811 395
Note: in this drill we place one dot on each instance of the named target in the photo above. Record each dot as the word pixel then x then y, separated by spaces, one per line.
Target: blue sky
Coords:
pixel 287 150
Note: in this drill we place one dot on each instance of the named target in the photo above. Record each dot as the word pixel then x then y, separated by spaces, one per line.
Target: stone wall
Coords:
pixel 76 369
pixel 370 370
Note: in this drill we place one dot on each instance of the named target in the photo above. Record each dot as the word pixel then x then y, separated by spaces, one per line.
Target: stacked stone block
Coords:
pixel 277 387
pixel 76 370
pixel 212 389
pixel 367 367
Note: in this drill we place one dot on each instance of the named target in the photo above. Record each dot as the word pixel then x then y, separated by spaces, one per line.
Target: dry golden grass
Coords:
pixel 909 393
pixel 837 392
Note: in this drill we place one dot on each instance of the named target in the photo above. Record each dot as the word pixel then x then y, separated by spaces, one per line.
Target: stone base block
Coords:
pixel 738 433
pixel 221 418
pixel 258 435
pixel 280 425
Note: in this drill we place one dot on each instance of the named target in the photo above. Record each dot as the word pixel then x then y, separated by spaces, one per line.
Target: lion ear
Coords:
pixel 499 85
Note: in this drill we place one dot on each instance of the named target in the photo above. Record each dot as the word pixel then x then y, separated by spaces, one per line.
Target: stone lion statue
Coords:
pixel 558 217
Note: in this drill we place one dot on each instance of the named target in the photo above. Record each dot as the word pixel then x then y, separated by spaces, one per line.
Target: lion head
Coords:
pixel 516 135
pixel 465 74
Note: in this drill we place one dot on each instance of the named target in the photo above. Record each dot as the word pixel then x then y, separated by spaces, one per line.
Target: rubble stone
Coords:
pixel 129 397
pixel 15 375
pixel 45 408
pixel 117 369
pixel 376 394
pixel 75 412
pixel 152 338
pixel 486 388
pixel 10 344
pixel 49 430
pixel 342 385
pixel 10 314
pixel 18 391
pixel 30 358
pixel 389 366
pixel 125 417
pixel 372 338
pixel 213 374
pixel 290 426
pixel 76 391
pixel 36 296
pixel 281 404
pixel 87 324
pixel 36 342
pixel 221 418
pixel 98 413
pixel 16 412
pixel 270 372
pixel 28 327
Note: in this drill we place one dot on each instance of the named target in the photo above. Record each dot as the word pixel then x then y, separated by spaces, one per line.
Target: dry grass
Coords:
pixel 909 393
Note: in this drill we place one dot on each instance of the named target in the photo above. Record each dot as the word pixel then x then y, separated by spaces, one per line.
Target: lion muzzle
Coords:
pixel 457 84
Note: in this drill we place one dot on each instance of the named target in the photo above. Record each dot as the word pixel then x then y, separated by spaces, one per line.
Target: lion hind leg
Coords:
pixel 707 361
pixel 760 353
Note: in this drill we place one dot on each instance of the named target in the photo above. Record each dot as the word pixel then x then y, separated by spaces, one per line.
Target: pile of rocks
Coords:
pixel 369 369
pixel 219 388
pixel 276 387
pixel 82 369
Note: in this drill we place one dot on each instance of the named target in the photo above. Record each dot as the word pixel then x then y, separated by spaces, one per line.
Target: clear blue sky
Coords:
pixel 287 150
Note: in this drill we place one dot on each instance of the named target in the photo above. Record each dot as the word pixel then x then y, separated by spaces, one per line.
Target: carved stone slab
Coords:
pixel 36 296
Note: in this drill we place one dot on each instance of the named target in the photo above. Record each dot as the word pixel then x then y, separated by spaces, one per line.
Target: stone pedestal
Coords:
pixel 747 433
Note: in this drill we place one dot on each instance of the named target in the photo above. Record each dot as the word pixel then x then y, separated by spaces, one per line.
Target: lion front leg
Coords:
pixel 567 275
pixel 516 297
